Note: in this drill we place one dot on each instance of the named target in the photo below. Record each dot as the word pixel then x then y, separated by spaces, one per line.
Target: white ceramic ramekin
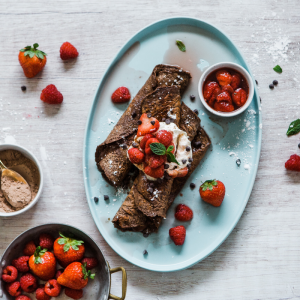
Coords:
pixel 239 69
pixel 29 155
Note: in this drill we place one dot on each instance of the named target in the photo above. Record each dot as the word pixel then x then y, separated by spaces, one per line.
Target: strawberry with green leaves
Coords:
pixel 68 250
pixel 42 263
pixel 212 192
pixel 32 60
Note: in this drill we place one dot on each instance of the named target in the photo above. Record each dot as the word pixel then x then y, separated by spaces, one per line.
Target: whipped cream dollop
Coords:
pixel 183 148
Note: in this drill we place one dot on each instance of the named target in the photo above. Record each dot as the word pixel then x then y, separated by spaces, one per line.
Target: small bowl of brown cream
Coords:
pixel 21 180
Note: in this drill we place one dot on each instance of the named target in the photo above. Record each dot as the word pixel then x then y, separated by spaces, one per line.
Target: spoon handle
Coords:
pixel 2 167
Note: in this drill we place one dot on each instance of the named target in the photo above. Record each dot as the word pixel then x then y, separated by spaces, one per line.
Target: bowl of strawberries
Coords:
pixel 226 89
pixel 56 260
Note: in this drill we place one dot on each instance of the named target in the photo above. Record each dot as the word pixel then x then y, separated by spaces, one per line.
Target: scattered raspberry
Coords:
pixel 21 264
pixel 177 235
pixel 136 156
pixel 28 283
pixel 14 288
pixel 156 161
pixel 239 97
pixel 29 248
pixel 40 293
pixel 58 273
pixel 223 106
pixel 68 51
pixel 121 95
pixel 46 241
pixel 145 139
pixel 22 297
pixel 9 274
pixel 224 96
pixel 165 137
pixel 236 81
pixel 155 173
pixel 74 294
pixel 223 77
pixel 51 95
pixel 147 147
pixel 293 164
pixel 91 262
pixel 52 288
pixel 149 125
pixel 183 213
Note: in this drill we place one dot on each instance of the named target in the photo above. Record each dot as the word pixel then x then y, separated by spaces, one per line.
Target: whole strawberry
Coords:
pixel 120 95
pixel 21 264
pixel 293 164
pixel 68 51
pixel 51 95
pixel 32 60
pixel 68 250
pixel 177 235
pixel 46 241
pixel 43 263
pixel 183 213
pixel 212 192
pixel 75 276
pixel 74 294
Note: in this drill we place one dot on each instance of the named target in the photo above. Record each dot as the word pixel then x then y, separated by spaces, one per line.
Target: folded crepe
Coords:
pixel 144 209
pixel 111 156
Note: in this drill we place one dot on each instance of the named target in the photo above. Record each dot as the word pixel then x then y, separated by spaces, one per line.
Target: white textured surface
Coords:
pixel 261 258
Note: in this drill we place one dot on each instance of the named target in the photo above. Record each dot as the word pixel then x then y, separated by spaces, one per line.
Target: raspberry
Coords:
pixel 145 139
pixel 52 288
pixel 28 283
pixel 21 264
pixel 22 297
pixel 9 274
pixel 156 161
pixel 29 248
pixel 91 262
pixel 183 213
pixel 293 164
pixel 58 273
pixel 136 156
pixel 46 241
pixel 40 293
pixel 223 77
pixel 155 173
pixel 14 288
pixel 239 97
pixel 165 137
pixel 74 294
pixel 177 235
pixel 236 80
pixel 51 95
pixel 147 147
pixel 68 51
pixel 121 95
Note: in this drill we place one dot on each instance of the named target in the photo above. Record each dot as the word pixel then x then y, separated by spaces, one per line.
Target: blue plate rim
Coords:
pixel 194 260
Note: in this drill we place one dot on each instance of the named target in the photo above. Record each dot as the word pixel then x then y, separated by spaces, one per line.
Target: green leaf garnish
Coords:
pixel 180 45
pixel 294 128
pixel 160 149
pixel 69 242
pixel 38 253
pixel 277 69
pixel 87 274
pixel 209 184
pixel 33 51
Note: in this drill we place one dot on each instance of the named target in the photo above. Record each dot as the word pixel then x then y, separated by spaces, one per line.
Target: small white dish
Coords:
pixel 29 155
pixel 239 69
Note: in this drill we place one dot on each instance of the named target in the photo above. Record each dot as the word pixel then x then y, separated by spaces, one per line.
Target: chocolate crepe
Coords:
pixel 137 212
pixel 111 155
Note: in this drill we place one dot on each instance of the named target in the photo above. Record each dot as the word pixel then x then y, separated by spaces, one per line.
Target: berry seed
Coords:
pixel 275 82
pixel 106 197
pixel 139 122
pixel 192 185
pixel 96 199
pixel 238 162
pixel 192 97
pixel 196 111
pixel 23 88
pixel 271 86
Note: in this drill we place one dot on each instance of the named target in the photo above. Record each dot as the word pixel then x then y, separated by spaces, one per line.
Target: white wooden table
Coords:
pixel 261 257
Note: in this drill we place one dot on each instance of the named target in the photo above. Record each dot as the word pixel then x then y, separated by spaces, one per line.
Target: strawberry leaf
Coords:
pixel 180 45
pixel 87 274
pixel 38 253
pixel 66 247
pixel 33 51
pixel 209 184
pixel 35 45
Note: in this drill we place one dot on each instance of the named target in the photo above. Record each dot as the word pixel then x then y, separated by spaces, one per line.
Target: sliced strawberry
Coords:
pixel 223 106
pixel 149 125
pixel 155 173
pixel 136 156
pixel 156 161
pixel 178 172
pixel 145 139
pixel 147 147
pixel 165 137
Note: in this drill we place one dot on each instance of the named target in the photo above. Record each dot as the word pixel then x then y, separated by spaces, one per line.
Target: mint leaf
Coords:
pixel 180 45
pixel 158 148
pixel 277 69
pixel 170 148
pixel 171 158
pixel 294 128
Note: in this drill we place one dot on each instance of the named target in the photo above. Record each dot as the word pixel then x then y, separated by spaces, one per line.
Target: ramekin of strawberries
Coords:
pixel 226 89
pixel 45 262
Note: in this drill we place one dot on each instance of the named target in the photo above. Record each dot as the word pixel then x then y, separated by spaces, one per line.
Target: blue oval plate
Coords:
pixel 237 137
